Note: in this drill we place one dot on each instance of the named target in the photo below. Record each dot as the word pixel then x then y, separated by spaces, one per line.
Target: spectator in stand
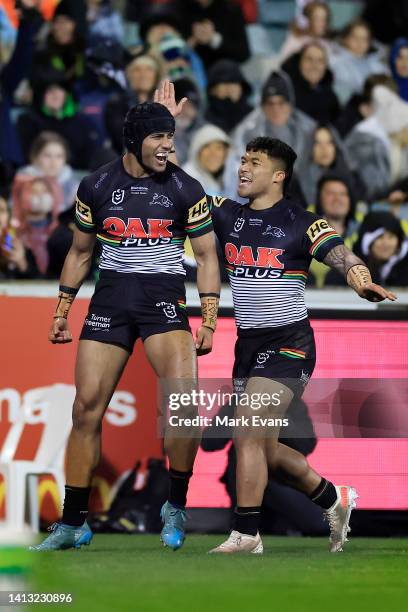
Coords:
pixel 336 203
pixel 103 21
pixel 104 76
pixel 49 156
pixel 36 206
pixel 359 107
pixel 190 118
pixel 164 24
pixel 312 81
pixel 15 260
pixel 143 76
pixel 383 247
pixel 399 66
pixel 207 156
pixel 11 75
pixel 378 146
pixel 317 16
pixel 276 116
pixel 63 48
pixel 215 29
pixel 54 110
pixel 324 155
pixel 354 60
pixel 227 95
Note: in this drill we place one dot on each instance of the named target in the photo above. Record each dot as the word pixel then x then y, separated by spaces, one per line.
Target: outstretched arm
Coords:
pixel 357 274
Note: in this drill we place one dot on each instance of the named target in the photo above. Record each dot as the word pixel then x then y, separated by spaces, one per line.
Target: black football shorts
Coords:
pixel 286 354
pixel 125 307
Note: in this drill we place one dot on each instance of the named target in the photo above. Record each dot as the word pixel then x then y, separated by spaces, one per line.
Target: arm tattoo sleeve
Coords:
pixel 354 270
pixel 209 310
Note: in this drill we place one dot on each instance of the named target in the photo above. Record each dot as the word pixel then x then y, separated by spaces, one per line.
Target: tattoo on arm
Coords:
pixel 209 310
pixel 353 269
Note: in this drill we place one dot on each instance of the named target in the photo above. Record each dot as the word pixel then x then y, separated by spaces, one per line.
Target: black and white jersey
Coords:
pixel 267 256
pixel 142 222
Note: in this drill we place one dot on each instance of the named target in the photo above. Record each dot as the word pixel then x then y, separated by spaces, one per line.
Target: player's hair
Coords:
pixel 278 150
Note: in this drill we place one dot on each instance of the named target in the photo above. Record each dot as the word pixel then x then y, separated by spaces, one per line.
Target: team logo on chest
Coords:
pixel 239 224
pixel 118 196
pixel 274 231
pixel 161 200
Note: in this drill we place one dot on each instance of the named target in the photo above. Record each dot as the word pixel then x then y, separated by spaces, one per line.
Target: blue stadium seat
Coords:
pixel 344 11
pixel 276 12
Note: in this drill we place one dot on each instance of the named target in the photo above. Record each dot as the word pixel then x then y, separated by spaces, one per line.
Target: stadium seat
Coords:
pixel 274 12
pixel 344 11
pixel 55 402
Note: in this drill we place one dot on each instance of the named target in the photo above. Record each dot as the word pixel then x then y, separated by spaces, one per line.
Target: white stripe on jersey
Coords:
pixel 158 259
pixel 267 302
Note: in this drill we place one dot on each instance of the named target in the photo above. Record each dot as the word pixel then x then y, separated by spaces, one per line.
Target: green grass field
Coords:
pixel 135 573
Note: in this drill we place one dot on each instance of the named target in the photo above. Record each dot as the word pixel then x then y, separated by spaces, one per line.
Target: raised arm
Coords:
pixel 208 284
pixel 76 269
pixel 357 274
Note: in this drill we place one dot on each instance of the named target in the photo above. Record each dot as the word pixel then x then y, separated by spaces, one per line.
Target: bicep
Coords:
pixel 204 246
pixel 83 242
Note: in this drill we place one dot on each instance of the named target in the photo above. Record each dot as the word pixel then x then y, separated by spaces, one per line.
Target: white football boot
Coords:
pixel 240 543
pixel 338 517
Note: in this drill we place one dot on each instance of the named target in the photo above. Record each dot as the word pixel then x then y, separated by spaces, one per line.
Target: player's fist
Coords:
pixel 204 339
pixel 60 332
pixel 376 293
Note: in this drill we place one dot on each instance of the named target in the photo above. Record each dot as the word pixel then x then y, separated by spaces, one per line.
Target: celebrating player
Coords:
pixel 140 207
pixel 268 245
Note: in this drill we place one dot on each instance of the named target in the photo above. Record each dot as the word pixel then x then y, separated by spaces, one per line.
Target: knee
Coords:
pixel 86 414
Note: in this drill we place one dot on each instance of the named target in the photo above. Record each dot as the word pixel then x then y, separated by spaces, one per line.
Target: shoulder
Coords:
pixel 95 182
pixel 186 185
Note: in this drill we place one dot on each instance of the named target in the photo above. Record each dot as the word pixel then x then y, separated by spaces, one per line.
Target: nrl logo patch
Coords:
pixel 239 224
pixel 168 309
pixel 118 196
pixel 161 200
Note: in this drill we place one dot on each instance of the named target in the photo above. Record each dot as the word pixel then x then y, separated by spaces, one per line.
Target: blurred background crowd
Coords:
pixel 329 78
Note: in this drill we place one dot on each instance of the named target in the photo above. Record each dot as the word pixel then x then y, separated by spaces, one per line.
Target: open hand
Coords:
pixel 164 94
pixel 376 293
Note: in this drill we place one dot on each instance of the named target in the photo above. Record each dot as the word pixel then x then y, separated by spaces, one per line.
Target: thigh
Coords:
pixel 172 354
pixel 99 367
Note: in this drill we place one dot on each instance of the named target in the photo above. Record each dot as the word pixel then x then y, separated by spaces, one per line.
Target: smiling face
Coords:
pixel 335 200
pixel 156 149
pixel 212 156
pixel 385 246
pixel 257 172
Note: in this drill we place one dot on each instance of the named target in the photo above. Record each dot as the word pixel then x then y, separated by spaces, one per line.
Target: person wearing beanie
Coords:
pixel 142 77
pixel 227 95
pixel 103 21
pixel 190 119
pixel 141 207
pixel 383 246
pixel 378 146
pixel 276 116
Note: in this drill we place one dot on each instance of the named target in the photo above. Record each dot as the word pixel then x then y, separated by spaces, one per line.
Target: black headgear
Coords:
pixel 143 120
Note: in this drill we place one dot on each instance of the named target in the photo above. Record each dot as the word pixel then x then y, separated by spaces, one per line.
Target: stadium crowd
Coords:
pixel 328 78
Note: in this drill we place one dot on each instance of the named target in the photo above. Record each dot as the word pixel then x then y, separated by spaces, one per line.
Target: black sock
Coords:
pixel 325 495
pixel 247 519
pixel 178 487
pixel 75 505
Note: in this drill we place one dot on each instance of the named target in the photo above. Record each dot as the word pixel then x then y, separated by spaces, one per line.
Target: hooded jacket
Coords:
pixel 402 82
pixel 317 101
pixel 205 135
pixel 227 113
pixel 394 272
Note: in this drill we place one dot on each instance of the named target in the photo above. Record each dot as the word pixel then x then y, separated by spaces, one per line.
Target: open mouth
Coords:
pixel 161 158
pixel 244 180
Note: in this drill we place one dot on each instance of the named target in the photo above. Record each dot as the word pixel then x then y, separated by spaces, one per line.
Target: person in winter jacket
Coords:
pixel 227 95
pixel 399 66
